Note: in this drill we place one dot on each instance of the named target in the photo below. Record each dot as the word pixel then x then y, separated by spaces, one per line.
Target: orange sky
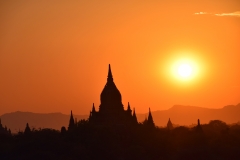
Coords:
pixel 54 54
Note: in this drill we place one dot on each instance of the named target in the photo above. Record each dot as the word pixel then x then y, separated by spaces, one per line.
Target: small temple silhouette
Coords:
pixel 111 110
pixel 198 127
pixel 72 124
pixel 169 125
pixel 27 129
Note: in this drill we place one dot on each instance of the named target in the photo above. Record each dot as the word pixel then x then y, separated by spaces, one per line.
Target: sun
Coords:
pixel 185 70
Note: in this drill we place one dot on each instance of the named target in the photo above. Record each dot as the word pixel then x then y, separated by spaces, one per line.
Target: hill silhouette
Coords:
pixel 187 115
pixel 17 120
pixel 181 115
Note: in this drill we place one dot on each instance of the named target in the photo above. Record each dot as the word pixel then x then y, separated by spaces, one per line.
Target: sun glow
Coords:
pixel 185 69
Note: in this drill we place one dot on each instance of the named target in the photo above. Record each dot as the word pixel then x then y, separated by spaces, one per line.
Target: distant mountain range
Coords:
pixel 181 115
pixel 17 120
pixel 188 115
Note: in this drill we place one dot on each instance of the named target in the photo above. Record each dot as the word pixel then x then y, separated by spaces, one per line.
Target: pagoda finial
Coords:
pixel 71 116
pixel 198 127
pixel 134 117
pixel 27 129
pixel 150 118
pixel 128 106
pixel 110 77
pixel 93 108
pixel 150 114
pixel 169 124
pixel 71 122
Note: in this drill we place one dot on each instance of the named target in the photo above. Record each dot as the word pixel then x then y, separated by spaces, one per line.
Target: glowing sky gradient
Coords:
pixel 54 54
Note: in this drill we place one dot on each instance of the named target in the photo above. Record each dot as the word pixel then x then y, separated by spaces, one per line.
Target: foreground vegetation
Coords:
pixel 215 140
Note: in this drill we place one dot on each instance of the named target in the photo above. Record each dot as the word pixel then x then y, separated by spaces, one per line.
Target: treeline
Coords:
pixel 215 140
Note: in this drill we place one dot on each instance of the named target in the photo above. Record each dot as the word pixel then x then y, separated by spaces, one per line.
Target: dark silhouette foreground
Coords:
pixel 215 140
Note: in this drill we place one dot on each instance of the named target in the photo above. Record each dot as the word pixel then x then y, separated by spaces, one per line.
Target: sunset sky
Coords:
pixel 54 54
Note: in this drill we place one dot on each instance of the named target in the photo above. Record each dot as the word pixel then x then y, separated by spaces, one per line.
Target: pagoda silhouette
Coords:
pixel 111 110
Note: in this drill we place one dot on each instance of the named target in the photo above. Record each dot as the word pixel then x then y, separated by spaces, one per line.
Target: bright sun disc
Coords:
pixel 185 70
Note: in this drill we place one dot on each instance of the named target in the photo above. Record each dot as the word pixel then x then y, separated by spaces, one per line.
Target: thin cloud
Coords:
pixel 199 13
pixel 233 14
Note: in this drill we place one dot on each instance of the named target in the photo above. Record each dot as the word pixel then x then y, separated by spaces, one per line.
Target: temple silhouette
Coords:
pixel 111 110
pixel 169 125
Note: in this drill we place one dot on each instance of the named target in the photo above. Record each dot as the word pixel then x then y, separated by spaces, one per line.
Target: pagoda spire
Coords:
pixel 27 129
pixel 134 117
pixel 150 115
pixel 169 125
pixel 150 119
pixel 198 127
pixel 93 108
pixel 110 77
pixel 129 109
pixel 71 122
